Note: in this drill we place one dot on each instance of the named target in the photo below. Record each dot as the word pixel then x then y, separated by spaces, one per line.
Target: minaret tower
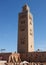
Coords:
pixel 25 31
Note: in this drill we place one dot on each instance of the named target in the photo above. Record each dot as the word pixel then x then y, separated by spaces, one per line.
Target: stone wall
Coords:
pixel 4 56
pixel 30 57
pixel 34 56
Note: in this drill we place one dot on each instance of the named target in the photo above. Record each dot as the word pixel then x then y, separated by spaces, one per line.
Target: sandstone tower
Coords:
pixel 25 31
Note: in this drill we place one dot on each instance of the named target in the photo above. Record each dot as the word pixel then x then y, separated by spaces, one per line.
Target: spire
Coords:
pixel 25 8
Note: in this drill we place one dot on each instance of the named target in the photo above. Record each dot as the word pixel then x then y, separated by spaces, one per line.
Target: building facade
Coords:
pixel 25 31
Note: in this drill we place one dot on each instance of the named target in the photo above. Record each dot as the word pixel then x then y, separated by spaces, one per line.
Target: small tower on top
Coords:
pixel 25 8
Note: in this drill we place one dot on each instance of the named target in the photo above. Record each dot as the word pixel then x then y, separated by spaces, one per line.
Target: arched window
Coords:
pixel 11 59
pixel 14 59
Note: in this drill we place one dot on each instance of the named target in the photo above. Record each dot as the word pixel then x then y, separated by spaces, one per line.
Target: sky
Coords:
pixel 9 10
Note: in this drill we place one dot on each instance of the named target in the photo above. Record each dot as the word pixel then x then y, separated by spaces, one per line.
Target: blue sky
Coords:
pixel 9 10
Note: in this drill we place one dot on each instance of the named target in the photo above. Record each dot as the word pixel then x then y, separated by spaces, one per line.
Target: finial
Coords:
pixel 26 8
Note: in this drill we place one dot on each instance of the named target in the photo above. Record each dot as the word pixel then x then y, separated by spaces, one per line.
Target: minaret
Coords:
pixel 25 31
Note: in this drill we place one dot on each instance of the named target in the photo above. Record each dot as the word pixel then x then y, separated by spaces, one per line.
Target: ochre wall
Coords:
pixel 34 56
pixel 4 56
pixel 31 57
